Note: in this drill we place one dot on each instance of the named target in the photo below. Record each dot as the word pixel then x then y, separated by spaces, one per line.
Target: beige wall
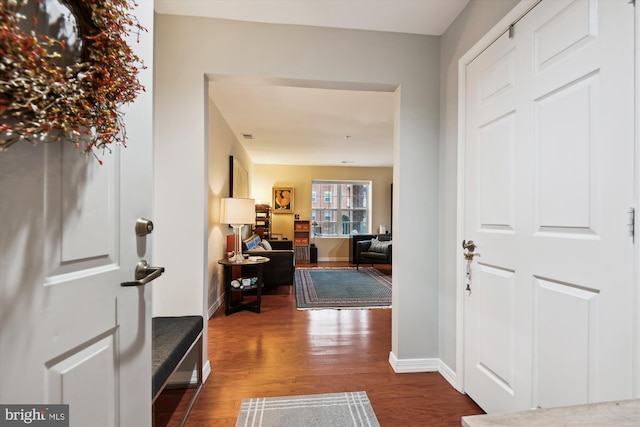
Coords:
pixel 329 249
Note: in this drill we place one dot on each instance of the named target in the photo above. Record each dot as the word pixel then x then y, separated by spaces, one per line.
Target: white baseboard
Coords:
pixel 206 371
pixel 413 365
pixel 449 375
pixel 215 306
pixel 401 366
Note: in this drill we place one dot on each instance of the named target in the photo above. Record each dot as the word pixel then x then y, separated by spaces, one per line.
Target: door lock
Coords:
pixel 470 247
pixel 143 227
pixel 468 255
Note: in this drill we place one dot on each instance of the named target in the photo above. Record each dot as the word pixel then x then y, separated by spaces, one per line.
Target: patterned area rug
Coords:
pixel 343 288
pixel 314 410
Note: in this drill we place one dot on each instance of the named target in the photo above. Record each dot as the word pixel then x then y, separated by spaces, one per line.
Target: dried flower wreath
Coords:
pixel 44 100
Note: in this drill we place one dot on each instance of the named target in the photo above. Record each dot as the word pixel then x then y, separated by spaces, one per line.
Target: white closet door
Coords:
pixel 548 184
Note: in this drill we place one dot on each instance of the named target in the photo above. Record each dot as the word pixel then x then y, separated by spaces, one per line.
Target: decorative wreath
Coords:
pixel 44 99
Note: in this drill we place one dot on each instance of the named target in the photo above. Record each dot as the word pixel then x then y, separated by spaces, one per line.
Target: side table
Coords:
pixel 248 268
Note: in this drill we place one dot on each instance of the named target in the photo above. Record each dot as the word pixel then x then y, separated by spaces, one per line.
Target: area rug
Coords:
pixel 313 410
pixel 342 288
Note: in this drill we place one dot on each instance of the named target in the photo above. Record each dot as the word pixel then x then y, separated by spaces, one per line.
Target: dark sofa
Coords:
pixel 375 251
pixel 281 269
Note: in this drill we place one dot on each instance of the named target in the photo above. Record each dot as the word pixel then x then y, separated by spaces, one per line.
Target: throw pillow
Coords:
pixel 252 243
pixel 266 245
pixel 378 246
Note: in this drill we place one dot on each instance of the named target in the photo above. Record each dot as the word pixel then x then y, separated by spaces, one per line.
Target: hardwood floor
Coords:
pixel 283 351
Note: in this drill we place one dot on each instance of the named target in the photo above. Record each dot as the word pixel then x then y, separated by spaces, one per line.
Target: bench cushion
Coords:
pixel 171 339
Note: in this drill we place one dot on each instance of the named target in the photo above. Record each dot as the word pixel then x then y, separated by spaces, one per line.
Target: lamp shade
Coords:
pixel 237 211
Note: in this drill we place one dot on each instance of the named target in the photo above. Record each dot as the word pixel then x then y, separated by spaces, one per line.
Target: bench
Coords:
pixel 173 338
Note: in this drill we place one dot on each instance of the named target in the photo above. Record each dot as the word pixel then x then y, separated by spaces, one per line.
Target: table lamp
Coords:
pixel 237 212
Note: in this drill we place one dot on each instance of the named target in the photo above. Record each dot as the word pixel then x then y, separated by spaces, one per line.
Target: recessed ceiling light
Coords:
pixel 347 161
pixel 347 137
pixel 247 136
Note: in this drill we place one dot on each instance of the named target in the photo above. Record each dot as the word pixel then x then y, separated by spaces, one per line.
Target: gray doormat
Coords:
pixel 313 410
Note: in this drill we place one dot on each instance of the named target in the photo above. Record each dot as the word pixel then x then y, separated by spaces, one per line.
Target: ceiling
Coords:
pixel 428 17
pixel 304 123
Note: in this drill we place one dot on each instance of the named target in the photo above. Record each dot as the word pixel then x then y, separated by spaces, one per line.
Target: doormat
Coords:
pixel 313 410
pixel 342 288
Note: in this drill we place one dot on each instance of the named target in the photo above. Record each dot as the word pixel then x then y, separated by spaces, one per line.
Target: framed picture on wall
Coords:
pixel 238 179
pixel 282 200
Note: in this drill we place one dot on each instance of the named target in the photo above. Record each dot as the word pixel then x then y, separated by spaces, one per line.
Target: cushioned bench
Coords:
pixel 173 338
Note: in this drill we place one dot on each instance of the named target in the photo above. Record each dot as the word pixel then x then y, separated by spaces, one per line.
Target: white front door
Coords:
pixel 549 154
pixel 69 332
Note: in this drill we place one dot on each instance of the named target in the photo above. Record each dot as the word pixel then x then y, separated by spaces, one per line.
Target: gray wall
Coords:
pixel 472 24
pixel 190 48
pixel 426 71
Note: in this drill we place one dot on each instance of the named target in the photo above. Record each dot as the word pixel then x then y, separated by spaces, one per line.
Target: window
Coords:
pixel 343 210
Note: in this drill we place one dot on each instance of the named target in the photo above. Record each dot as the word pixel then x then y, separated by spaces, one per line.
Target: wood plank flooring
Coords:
pixel 284 352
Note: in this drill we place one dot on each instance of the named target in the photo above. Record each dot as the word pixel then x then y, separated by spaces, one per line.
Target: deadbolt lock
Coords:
pixel 143 227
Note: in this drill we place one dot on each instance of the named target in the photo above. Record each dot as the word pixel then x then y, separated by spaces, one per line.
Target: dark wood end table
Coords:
pixel 234 297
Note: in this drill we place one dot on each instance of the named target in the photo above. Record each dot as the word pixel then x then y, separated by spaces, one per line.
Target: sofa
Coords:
pixel 281 269
pixel 377 250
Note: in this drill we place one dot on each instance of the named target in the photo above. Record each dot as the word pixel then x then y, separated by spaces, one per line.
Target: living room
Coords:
pixel 262 178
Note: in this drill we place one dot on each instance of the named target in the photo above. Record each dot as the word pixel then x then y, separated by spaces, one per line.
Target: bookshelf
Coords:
pixel 301 239
pixel 263 221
